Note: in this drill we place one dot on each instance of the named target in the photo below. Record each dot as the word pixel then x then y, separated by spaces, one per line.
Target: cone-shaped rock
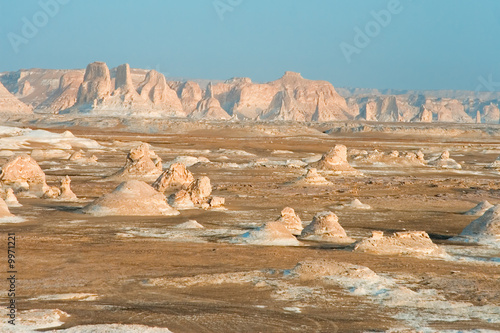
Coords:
pixel 134 198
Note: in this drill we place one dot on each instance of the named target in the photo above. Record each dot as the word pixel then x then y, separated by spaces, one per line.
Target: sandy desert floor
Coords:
pixel 143 270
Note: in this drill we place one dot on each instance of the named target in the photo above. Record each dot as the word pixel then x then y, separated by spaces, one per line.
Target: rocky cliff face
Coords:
pixel 66 95
pixel 123 91
pixel 155 88
pixel 10 104
pixel 96 84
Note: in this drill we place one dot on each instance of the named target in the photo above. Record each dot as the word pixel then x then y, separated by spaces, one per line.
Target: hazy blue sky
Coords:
pixel 428 44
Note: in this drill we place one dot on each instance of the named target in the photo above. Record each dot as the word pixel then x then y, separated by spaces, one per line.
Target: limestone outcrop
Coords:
pixel 4 209
pixel 96 84
pixel 142 163
pixel 155 88
pixel 485 227
pixel 335 160
pixel 291 220
pixel 479 209
pixel 23 174
pixel 444 161
pixel 325 227
pixel 406 243
pixel 66 192
pixel 270 234
pixel 9 104
pixel 312 177
pixel 66 95
pixel 177 176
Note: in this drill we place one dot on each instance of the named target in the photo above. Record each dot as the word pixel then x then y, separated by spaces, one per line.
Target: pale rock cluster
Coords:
pixel 444 161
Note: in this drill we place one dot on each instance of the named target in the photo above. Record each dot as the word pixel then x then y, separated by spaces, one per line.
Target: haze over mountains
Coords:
pixel 125 92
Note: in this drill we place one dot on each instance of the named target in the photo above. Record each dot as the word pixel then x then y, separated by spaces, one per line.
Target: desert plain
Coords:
pixel 235 269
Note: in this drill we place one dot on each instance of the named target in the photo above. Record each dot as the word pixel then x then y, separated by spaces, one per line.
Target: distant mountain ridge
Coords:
pixel 129 92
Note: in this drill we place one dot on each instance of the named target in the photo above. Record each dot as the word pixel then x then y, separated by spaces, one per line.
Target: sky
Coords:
pixel 399 44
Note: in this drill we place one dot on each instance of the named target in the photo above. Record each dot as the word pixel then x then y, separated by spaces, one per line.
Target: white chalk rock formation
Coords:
pixel 23 173
pixel 445 162
pixel 96 84
pixel 66 192
pixel 155 88
pixel 200 190
pixel 4 209
pixel 485 229
pixel 11 199
pixel 181 200
pixel 177 176
pixel 190 94
pixel 131 198
pixel 142 163
pixel 479 209
pixel 271 234
pixel 406 243
pixel 318 269
pixel 312 177
pixel 290 220
pixel 335 160
pixel 216 202
pixel 209 108
pixel 356 204
pixel 325 227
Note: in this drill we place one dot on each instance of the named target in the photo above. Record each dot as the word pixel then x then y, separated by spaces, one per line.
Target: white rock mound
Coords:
pixel 177 176
pixel 405 243
pixel 4 209
pixel 131 198
pixel 335 160
pixel 318 269
pixel 445 162
pixel 191 224
pixel 479 209
pixel 11 199
pixel 142 164
pixel 312 177
pixel 485 229
pixel 271 234
pixel 356 204
pixel 23 173
pixel 325 227
pixel 291 220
